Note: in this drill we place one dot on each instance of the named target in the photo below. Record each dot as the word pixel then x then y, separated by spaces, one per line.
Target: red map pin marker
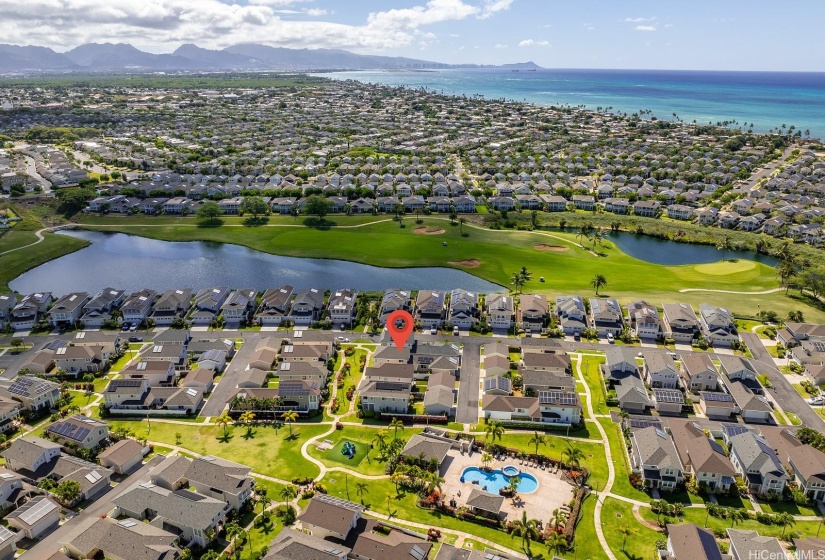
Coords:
pixel 400 334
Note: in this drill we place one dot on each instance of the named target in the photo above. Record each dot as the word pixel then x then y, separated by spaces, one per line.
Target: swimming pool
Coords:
pixel 496 480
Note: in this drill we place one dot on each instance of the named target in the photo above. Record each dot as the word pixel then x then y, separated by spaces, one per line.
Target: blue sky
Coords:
pixel 691 34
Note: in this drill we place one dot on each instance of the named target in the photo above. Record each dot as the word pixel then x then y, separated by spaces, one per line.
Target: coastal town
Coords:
pixel 282 422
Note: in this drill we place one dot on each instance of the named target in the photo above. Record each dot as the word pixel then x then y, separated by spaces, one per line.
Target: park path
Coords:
pixel 611 473
pixel 38 233
pixel 763 292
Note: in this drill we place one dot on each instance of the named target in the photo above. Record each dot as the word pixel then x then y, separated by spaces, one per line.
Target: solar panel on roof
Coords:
pixel 642 423
pixel 719 397
pixel 668 395
pixel 127 523
pixel 37 512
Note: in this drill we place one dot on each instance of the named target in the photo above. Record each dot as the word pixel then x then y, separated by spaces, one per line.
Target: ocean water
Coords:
pixel 766 99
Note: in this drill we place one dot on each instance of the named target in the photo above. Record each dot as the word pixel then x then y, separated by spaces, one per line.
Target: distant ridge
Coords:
pixel 123 57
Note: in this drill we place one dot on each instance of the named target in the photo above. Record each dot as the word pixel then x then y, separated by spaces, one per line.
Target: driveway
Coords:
pixel 229 381
pixel 52 543
pixel 782 391
pixel 468 392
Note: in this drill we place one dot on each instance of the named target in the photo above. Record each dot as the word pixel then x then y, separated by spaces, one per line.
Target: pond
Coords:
pixel 666 252
pixel 130 262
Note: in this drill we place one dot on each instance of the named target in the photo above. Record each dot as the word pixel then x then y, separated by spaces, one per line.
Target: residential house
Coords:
pixel 680 322
pixel 757 463
pixel 631 394
pixel 9 411
pixel 124 539
pixel 157 373
pixel 68 309
pixel 737 368
pixel 123 456
pixel 342 307
pixel 645 320
pixel 660 370
pixel 699 373
pixel 647 208
pixel 307 306
pixel 703 458
pixel 572 314
pixel 500 311
pixel 35 518
pixel 76 359
pixel 171 306
pixel 207 305
pixel 275 306
pixel 393 300
pixel 668 401
pixel 690 542
pixel 532 314
pixel 607 316
pixel 584 202
pixel 463 311
pixel 429 308
pixel 746 545
pixel 653 455
pixel 79 431
pixel 138 306
pixel 718 325
pixel 439 398
pixel 752 407
pixel 26 313
pixel 238 307
pixel 717 405
pixel 98 310
pixel 679 212
pixel 385 396
pixel 7 303
pixel 12 488
pixel 33 393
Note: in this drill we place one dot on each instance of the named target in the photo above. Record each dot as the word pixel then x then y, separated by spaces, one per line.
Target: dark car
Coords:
pixel 135 339
pixel 577 337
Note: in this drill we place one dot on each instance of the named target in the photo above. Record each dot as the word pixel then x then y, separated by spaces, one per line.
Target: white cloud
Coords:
pixel 500 46
pixel 162 25
pixel 533 43
pixel 644 28
pixel 491 7
pixel 639 19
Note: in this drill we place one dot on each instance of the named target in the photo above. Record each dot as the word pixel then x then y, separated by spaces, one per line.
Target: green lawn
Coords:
pixel 499 253
pixel 338 455
pixel 18 262
pixel 788 507
pixel 618 516
pixel 80 399
pixel 586 543
pixel 621 483
pixel 267 452
pixel 595 381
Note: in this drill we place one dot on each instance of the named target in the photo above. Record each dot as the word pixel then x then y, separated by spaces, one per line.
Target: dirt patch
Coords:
pixel 428 231
pixel 468 263
pixel 549 248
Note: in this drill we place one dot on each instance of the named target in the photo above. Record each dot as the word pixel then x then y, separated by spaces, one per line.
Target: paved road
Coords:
pixel 103 504
pixel 782 390
pixel 467 407
pixel 220 394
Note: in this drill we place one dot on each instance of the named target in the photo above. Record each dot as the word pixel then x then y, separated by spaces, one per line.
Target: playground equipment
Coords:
pixel 348 449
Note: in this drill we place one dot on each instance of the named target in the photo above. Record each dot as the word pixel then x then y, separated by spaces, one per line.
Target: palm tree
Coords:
pixel 289 416
pixel 526 276
pixel 785 270
pixel 261 491
pixel 287 493
pixel 397 478
pixel 557 517
pixel 232 531
pixel 527 529
pixel 517 281
pixel 434 482
pixel 494 430
pixel 246 419
pixel 626 531
pixel 486 458
pixel 537 440
pixel 223 420
pixel 556 543
pixel 461 222
pixel 596 237
pixel 396 424
pixel 785 519
pixel 724 246
pixel 381 438
pixel 573 456
pixel 599 281
pixel 362 488
pixel 736 515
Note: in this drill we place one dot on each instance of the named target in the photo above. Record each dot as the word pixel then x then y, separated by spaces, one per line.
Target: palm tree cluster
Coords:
pixel 520 278
pixel 264 404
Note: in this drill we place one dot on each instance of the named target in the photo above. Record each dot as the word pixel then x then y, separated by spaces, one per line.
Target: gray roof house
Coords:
pixel 127 538
pixel 572 314
pixel 746 545
pixel 718 325
pixel 654 456
pixel 758 464
pixel 607 316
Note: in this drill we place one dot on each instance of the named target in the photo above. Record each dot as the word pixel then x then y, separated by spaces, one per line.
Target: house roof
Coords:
pixel 484 501
pixel 27 450
pixel 297 545
pixel 690 542
pixel 746 400
pixel 655 447
pixel 697 450
pixel 332 514
pixel 756 454
pixel 219 473
pixel 33 511
pixel 432 448
pixel 122 451
pixel 127 538
pixel 750 544
pixel 182 508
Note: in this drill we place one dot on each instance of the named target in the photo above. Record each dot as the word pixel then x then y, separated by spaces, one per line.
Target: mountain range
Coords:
pixel 123 57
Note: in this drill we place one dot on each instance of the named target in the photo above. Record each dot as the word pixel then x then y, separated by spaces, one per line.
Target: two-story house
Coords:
pixel 99 309
pixel 342 307
pixel 138 306
pixel 757 463
pixel 607 316
pixel 718 325
pixel 429 308
pixel 25 314
pixel 238 307
pixel 500 311
pixel 172 305
pixel 307 306
pixel 653 455
pixel 207 305
pixel 393 300
pixel 33 393
pixel 680 322
pixel 645 320
pixel 699 373
pixel 80 431
pixel 532 314
pixel 703 458
pixel 660 370
pixel 68 309
pixel 463 311
pixel 572 314
pixel 275 306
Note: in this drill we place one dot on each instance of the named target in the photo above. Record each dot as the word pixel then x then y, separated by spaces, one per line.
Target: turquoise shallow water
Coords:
pixel 766 99
pixel 494 481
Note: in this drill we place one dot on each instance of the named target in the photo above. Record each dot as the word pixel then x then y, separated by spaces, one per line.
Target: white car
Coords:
pixel 343 339
pixel 816 400
pixel 610 338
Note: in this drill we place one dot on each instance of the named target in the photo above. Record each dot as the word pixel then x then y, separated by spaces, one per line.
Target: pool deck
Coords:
pixel 552 493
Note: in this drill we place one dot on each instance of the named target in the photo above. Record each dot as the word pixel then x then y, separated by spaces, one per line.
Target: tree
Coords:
pixel 289 416
pixel 434 482
pixel 556 543
pixel 626 531
pixel 494 429
pixel 254 205
pixel 573 456
pixel 246 419
pixel 461 222
pixel 785 519
pixel 17 343
pixel 526 276
pixel 318 206
pixel 486 458
pixel 396 424
pixel 736 515
pixel 796 316
pixel 67 491
pixel 596 237
pixel 785 270
pixel 598 281
pixel 261 491
pixel 209 210
pixel 362 488
pixel 73 200
pixel 517 281
pixel 527 529
pixel 536 440
pixel 381 438
pixel 724 246
pixel 287 493
pixel 223 420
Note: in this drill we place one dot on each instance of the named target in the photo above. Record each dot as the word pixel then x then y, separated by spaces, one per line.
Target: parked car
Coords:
pixel 433 330
pixel 816 400
pixel 455 331
pixel 610 338
pixel 135 339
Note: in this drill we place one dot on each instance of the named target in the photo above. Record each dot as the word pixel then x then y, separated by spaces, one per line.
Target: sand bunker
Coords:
pixel 549 248
pixel 468 263
pixel 428 231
